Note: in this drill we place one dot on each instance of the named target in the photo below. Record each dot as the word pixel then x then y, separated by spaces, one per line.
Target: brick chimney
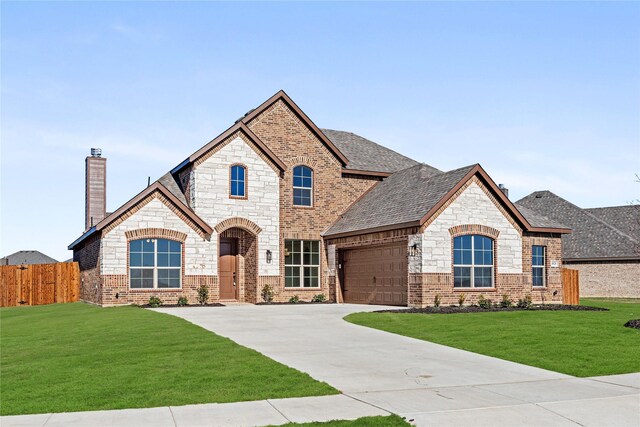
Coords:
pixel 504 189
pixel 96 188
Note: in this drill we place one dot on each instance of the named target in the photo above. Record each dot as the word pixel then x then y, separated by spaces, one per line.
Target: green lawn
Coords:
pixel 580 343
pixel 389 421
pixel 77 357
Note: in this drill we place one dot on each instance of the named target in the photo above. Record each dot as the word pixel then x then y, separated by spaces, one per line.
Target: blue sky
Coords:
pixel 543 95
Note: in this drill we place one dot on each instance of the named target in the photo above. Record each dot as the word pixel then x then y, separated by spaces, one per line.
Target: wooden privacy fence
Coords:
pixel 570 287
pixel 39 284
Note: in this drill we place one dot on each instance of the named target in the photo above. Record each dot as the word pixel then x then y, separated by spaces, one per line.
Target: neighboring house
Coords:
pixel 276 201
pixel 27 257
pixel 604 245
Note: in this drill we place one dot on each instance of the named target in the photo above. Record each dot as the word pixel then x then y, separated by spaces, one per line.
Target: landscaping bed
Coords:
pixel 215 304
pixel 294 303
pixel 475 309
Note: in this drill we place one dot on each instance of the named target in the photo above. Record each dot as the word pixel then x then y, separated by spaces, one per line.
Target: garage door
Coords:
pixel 375 275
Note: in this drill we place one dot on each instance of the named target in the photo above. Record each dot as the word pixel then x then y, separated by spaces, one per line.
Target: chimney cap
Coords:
pixel 96 152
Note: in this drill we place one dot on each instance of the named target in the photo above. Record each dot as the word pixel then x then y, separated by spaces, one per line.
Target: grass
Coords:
pixel 77 357
pixel 388 421
pixel 579 343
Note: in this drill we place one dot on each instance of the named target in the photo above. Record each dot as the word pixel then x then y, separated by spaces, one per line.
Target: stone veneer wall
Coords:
pixel 294 143
pixel 608 278
pixel 210 189
pixel 154 214
pixel 471 205
pixel 423 287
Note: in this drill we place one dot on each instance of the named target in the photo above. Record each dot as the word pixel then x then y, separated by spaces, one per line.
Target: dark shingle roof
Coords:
pixel 27 257
pixel 624 218
pixel 536 219
pixel 591 237
pixel 404 197
pixel 367 155
pixel 172 185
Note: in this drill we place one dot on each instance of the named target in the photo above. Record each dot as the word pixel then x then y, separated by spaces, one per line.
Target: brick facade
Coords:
pixel 612 279
pixel 294 143
pixel 262 221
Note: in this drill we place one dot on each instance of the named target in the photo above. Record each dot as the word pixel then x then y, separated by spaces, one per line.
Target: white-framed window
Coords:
pixel 472 261
pixel 302 264
pixel 302 186
pixel 155 263
pixel 238 181
pixel 538 265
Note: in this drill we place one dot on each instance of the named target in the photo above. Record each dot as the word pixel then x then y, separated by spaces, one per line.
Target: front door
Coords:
pixel 227 269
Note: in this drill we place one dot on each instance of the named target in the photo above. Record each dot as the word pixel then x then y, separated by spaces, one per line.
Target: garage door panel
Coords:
pixel 375 275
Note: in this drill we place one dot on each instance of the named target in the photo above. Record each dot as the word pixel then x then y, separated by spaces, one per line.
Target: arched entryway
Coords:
pixel 238 260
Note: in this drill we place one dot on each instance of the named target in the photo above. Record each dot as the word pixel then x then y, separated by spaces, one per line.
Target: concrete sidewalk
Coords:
pixel 240 414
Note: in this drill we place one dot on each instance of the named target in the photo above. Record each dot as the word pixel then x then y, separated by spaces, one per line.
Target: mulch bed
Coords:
pixel 293 303
pixel 635 323
pixel 215 304
pixel 476 309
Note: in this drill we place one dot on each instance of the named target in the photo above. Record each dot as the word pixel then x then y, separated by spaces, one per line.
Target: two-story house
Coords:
pixel 276 201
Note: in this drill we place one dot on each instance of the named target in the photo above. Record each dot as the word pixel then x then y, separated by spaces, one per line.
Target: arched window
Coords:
pixel 238 181
pixel 302 186
pixel 472 261
pixel 155 263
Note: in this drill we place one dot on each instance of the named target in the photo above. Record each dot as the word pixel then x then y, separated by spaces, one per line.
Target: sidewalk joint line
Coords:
pixel 47 420
pixel 367 403
pixel 172 417
pixel 278 410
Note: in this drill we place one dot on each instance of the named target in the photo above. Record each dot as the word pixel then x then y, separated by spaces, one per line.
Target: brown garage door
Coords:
pixel 375 275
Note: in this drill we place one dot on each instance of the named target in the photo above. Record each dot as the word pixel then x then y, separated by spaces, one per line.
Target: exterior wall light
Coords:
pixel 269 256
pixel 413 250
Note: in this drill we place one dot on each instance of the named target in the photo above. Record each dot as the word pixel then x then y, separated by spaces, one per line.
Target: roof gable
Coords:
pixel 237 127
pixel 414 196
pixel 196 222
pixel 282 96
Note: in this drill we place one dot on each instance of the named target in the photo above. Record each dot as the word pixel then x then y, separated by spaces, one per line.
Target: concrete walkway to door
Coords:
pixel 429 383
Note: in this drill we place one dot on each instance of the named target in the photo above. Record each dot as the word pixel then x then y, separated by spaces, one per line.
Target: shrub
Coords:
pixel 525 302
pixel 461 299
pixel 267 293
pixel 436 301
pixel 294 299
pixel 203 294
pixel 506 301
pixel 155 302
pixel 484 302
pixel 182 301
pixel 319 298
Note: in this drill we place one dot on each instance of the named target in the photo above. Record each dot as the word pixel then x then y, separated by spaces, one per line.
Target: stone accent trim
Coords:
pixel 243 223
pixel 155 233
pixel 241 135
pixel 461 230
pixel 483 187
pixel 167 202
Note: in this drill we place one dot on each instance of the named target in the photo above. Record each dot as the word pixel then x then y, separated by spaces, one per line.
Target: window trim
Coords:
pixel 542 267
pixel 302 265
pixel 246 181
pixel 155 287
pixel 311 189
pixel 472 266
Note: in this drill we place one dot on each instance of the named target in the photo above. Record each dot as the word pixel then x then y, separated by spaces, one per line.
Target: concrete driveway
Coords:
pixel 425 382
